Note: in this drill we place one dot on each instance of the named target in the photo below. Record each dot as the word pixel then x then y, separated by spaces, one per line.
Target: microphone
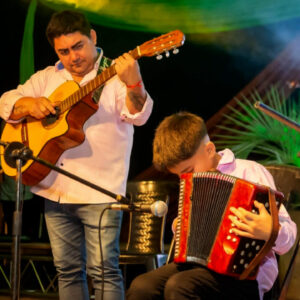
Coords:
pixel 15 150
pixel 158 208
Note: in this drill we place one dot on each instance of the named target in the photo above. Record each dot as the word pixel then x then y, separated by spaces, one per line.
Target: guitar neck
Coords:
pixel 98 81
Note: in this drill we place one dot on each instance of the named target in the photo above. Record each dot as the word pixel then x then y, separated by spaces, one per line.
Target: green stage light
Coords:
pixel 193 16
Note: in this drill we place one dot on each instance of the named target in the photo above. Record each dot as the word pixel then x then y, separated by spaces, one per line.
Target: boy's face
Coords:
pixel 203 160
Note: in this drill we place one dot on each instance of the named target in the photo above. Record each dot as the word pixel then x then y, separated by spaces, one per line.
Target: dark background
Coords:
pixel 208 71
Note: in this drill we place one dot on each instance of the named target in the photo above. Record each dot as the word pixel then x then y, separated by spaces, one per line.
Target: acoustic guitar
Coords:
pixel 50 137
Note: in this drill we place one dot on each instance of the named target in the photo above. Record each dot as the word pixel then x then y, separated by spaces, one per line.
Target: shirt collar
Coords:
pixel 227 157
pixel 59 66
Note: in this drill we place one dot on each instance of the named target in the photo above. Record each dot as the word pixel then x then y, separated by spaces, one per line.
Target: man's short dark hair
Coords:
pixel 65 22
pixel 177 138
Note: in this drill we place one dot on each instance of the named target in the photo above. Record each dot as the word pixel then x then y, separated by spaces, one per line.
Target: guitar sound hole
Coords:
pixel 51 118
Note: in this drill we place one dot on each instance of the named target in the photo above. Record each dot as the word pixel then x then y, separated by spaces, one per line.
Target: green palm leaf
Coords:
pixel 249 131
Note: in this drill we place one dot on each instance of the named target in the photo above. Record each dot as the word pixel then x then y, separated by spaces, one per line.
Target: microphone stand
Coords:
pixel 21 154
pixel 277 116
pixel 16 233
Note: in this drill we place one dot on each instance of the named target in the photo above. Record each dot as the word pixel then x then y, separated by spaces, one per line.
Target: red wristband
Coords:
pixel 132 86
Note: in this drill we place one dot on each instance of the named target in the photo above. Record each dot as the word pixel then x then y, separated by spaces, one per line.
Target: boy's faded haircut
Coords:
pixel 176 139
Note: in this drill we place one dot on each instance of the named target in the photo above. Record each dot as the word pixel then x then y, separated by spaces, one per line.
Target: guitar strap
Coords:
pixel 104 63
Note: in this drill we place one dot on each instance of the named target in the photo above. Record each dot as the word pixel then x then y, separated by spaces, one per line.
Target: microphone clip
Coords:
pixel 14 151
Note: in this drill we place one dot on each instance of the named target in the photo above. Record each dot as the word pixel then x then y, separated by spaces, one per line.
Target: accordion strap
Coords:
pixel 270 242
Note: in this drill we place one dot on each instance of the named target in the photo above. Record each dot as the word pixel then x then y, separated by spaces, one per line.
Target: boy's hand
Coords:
pixel 174 224
pixel 252 225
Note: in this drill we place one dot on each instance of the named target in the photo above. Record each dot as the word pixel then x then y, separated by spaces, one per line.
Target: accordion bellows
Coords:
pixel 203 234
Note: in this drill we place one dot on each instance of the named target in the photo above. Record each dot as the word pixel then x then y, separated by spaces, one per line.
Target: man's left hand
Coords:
pixel 128 69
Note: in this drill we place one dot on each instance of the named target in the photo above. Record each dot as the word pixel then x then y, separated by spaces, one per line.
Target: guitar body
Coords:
pixel 49 140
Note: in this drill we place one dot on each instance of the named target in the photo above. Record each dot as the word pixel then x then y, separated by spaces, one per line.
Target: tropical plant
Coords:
pixel 250 131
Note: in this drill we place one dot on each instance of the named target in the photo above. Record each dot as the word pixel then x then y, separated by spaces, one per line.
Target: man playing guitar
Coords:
pixel 72 209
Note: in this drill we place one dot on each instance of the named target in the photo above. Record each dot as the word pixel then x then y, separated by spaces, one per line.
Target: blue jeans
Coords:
pixel 74 237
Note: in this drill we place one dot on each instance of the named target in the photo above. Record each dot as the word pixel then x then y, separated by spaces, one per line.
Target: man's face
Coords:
pixel 203 160
pixel 77 52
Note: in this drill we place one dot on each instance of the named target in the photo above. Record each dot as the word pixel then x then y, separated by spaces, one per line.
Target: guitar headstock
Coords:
pixel 163 43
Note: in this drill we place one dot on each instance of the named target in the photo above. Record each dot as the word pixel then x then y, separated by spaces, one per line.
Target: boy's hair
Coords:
pixel 176 139
pixel 65 22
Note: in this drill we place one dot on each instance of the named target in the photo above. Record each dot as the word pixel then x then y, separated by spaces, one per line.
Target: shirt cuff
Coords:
pixel 286 238
pixel 6 108
pixel 139 118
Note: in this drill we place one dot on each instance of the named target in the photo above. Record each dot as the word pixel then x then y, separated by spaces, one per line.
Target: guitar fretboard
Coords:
pixel 98 81
pixel 86 89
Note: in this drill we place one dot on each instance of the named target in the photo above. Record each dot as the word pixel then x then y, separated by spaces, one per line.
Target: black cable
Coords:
pixel 101 252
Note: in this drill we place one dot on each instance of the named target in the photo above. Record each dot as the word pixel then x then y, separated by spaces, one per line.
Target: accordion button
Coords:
pixel 228 237
pixel 267 204
pixel 232 225
pixel 242 253
pixel 257 247
pixel 247 245
pixel 245 266
pixel 230 231
pixel 242 261
pixel 253 243
pixel 234 267
pixel 250 254
pixel 234 240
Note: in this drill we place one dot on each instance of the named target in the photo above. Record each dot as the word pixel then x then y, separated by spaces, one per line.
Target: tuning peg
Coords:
pixel 159 57
pixel 167 53
pixel 175 51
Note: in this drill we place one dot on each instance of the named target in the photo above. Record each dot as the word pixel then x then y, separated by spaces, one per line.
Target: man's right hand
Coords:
pixel 37 108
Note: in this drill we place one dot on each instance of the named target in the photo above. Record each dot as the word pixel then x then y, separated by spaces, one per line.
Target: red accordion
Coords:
pixel 203 227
